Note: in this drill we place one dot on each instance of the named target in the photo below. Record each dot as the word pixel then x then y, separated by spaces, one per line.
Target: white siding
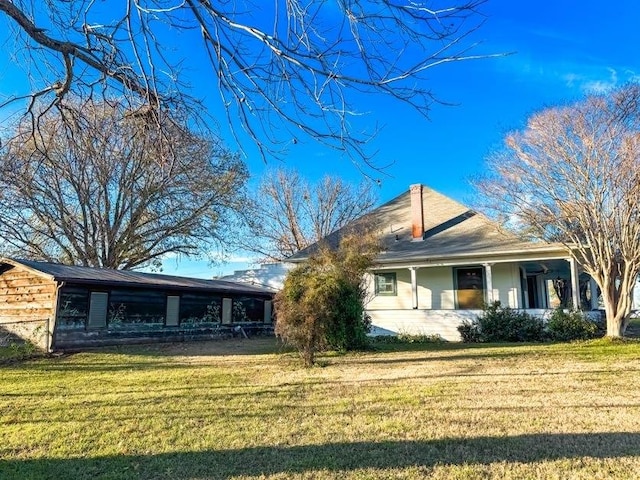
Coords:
pixel 443 323
pixel 506 284
pixel 436 289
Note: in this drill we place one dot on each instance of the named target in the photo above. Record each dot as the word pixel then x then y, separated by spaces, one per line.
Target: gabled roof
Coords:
pixel 451 230
pixel 105 276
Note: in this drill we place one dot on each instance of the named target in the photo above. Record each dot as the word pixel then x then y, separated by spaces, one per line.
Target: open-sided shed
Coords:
pixel 68 307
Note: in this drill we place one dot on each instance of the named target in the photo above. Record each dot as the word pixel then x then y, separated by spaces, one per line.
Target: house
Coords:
pixel 442 261
pixel 267 275
pixel 69 307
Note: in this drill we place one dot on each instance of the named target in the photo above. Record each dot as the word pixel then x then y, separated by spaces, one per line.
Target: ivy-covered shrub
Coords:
pixel 565 326
pixel 502 324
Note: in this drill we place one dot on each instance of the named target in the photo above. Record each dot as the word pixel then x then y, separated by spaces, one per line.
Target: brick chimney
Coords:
pixel 417 220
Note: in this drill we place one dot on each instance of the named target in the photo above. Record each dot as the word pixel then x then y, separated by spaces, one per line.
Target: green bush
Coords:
pixel 470 331
pixel 565 326
pixel 321 305
pixel 347 325
pixel 404 338
pixel 502 324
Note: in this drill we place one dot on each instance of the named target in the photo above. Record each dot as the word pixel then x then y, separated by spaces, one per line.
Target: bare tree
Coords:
pixel 573 176
pixel 101 188
pixel 284 70
pixel 289 214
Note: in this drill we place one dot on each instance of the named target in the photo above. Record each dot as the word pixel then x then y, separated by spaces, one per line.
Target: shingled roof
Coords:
pixel 105 276
pixel 450 229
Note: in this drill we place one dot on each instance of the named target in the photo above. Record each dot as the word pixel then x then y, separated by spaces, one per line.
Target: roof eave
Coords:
pixel 17 264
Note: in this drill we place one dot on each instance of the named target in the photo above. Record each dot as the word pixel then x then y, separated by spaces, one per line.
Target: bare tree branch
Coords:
pixel 285 70
pixel 288 214
pixel 102 187
pixel 573 176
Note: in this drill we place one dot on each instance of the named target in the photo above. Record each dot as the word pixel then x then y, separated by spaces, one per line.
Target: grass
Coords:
pixel 243 410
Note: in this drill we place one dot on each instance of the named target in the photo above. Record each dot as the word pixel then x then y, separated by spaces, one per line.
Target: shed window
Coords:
pixel 469 288
pixel 200 308
pixel 138 308
pixel 386 283
pixel 247 309
pixel 73 309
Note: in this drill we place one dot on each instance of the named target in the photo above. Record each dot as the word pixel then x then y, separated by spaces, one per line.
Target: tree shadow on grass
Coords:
pixel 337 457
pixel 259 345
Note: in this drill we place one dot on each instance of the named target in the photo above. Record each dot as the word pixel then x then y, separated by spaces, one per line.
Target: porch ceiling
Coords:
pixel 548 268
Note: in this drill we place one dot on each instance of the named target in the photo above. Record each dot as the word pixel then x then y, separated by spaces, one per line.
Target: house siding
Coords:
pixel 436 313
pixel 436 289
pixel 441 323
pixel 506 284
pixel 436 286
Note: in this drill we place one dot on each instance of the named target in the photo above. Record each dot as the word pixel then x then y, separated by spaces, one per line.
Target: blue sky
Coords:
pixel 562 50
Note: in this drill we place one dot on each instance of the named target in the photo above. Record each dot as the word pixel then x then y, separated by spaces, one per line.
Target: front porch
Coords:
pixel 434 299
pixel 442 323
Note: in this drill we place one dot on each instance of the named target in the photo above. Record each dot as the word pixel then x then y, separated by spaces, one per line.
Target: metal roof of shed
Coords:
pixel 105 276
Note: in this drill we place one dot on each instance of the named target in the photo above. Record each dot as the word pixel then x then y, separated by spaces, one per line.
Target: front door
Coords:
pixel 470 288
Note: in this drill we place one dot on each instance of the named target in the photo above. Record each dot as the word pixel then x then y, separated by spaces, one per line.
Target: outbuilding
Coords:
pixel 62 307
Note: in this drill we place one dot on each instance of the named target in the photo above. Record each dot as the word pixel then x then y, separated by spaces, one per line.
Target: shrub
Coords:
pixel 502 324
pixel 322 302
pixel 347 324
pixel 565 326
pixel 405 338
pixel 470 331
pixel 420 338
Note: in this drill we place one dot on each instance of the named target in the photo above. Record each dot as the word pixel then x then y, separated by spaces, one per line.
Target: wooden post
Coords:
pixel 414 286
pixel 267 311
pixel 226 310
pixel 575 283
pixel 488 278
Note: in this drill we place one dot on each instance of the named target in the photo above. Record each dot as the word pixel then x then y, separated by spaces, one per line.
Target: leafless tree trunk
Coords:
pixel 284 69
pixel 102 188
pixel 573 176
pixel 288 214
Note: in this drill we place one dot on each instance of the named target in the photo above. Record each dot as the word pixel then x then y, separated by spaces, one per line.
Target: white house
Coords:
pixel 267 275
pixel 441 261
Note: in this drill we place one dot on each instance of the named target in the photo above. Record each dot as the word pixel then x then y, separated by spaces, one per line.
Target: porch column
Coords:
pixel 575 285
pixel 489 282
pixel 414 286
pixel 593 288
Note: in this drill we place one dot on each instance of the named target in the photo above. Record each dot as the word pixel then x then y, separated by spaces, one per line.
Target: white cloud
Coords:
pixel 602 85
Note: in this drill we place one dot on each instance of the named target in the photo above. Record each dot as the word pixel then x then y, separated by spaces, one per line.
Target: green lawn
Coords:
pixel 240 409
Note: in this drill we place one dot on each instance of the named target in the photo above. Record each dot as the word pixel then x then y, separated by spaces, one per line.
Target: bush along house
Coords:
pixel 60 307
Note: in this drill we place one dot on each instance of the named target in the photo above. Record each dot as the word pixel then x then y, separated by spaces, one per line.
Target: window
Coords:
pixel 247 309
pixel 200 308
pixel 469 288
pixel 386 283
